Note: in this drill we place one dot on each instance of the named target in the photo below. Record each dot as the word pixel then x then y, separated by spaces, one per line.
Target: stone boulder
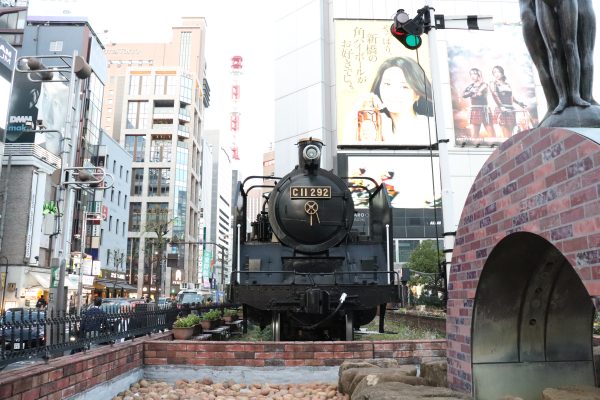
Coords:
pixel 571 393
pixel 374 375
pixel 350 377
pixel 403 391
pixel 435 373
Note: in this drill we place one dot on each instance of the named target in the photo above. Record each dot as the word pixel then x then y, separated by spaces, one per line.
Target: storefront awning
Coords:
pixel 111 283
pixel 40 279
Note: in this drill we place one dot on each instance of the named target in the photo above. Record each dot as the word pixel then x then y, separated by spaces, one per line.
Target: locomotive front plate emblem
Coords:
pixel 310 192
pixel 312 208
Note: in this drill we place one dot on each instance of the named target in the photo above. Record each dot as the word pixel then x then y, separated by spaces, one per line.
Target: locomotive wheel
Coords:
pixel 276 326
pixel 349 327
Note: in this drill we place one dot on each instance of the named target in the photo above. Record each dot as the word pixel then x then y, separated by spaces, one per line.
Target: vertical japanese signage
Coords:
pixel 383 90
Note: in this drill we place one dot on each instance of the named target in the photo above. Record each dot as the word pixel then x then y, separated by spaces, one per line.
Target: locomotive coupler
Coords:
pixel 317 301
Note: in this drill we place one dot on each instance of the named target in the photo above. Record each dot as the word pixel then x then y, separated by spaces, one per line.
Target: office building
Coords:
pixel 154 107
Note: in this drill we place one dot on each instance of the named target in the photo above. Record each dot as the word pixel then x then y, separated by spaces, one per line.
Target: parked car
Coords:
pixel 135 302
pixel 22 328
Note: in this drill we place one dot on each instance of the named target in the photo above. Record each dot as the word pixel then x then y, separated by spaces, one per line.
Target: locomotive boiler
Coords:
pixel 304 267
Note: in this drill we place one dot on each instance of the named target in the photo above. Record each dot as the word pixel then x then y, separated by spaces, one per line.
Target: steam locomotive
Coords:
pixel 304 268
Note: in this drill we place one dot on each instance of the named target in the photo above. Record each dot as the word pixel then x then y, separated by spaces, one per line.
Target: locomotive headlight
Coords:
pixel 311 152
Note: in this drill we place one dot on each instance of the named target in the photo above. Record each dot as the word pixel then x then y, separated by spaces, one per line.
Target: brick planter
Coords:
pixel 537 196
pixel 288 354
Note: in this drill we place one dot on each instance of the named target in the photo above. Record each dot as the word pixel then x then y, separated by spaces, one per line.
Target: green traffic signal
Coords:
pixel 412 42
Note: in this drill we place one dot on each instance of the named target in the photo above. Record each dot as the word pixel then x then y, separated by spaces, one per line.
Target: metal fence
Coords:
pixel 27 333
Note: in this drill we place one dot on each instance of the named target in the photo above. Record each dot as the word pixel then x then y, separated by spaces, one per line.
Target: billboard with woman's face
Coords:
pixel 492 85
pixel 383 90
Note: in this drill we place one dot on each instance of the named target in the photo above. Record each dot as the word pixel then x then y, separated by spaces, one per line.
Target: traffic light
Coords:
pixel 408 31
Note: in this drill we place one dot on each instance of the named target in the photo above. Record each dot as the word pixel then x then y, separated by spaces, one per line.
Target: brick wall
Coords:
pixel 545 182
pixel 70 375
pixel 66 376
pixel 288 354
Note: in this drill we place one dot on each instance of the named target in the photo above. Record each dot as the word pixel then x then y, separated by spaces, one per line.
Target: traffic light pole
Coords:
pixel 448 220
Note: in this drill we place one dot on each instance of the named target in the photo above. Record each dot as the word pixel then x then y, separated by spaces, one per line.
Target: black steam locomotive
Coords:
pixel 303 268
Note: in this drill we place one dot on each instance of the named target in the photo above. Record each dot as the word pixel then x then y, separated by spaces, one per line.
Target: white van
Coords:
pixel 189 296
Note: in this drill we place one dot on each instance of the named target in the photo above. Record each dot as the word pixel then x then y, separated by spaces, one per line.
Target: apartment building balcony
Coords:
pixel 24 150
pixel 183 131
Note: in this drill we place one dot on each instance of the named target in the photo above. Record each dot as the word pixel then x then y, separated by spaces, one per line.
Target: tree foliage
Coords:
pixel 425 257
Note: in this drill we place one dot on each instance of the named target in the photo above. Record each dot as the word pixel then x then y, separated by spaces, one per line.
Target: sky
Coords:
pixel 234 27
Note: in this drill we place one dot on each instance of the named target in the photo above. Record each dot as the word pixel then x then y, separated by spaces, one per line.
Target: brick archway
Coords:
pixel 537 196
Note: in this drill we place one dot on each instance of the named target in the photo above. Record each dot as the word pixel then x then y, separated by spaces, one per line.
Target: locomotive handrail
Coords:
pixel 310 275
pixel 259 177
pixel 361 177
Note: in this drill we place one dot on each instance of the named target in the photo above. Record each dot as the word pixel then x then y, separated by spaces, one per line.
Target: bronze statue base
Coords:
pixel 574 117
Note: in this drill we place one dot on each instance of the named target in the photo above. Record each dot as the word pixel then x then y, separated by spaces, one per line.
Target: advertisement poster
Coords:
pixel 411 181
pixel 492 85
pixel 383 90
pixel 8 56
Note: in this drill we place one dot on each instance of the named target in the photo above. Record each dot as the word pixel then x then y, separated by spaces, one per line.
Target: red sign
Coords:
pixel 104 213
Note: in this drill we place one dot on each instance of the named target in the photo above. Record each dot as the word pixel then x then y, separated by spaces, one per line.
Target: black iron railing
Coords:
pixel 26 333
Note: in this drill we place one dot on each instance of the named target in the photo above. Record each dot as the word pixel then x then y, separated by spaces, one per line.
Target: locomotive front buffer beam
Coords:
pixel 315 299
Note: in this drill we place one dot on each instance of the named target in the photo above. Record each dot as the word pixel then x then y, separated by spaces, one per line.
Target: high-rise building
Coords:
pixel 154 106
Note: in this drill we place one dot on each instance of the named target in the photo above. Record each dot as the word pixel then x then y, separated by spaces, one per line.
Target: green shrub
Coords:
pixel 187 322
pixel 230 312
pixel 211 315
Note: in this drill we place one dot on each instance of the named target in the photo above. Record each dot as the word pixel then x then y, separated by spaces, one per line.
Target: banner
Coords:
pixel 492 85
pixel 410 180
pixel 383 90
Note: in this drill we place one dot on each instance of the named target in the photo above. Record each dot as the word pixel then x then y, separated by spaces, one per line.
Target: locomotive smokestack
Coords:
pixel 309 153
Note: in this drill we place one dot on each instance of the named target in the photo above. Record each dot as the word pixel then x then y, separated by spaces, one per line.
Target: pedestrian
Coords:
pixel 41 303
pixel 93 323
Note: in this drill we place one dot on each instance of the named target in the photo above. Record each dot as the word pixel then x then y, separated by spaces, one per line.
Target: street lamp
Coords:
pixel 4 280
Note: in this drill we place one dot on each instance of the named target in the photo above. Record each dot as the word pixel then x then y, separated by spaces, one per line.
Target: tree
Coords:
pixel 424 264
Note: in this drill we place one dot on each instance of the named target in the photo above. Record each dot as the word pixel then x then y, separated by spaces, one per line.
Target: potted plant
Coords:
pixel 230 314
pixel 183 328
pixel 210 319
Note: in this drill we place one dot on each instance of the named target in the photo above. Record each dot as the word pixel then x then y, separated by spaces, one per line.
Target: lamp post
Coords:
pixel 4 280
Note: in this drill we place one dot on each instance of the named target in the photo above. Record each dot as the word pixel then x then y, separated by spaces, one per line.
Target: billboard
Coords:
pixel 412 181
pixel 37 106
pixel 58 10
pixel 383 90
pixel 8 56
pixel 492 85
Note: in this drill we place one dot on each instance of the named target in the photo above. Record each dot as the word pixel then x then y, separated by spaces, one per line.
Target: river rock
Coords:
pixel 435 373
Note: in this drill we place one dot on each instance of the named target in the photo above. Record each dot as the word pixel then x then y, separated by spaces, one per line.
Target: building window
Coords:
pixel 157 213
pixel 119 198
pixel 185 95
pixel 165 84
pixel 135 145
pixel 112 194
pixel 185 47
pixel 126 176
pixel 110 223
pixel 114 166
pixel 137 183
pixel 123 230
pixel 160 149
pixel 117 226
pixel 120 171
pixel 137 115
pixel 125 202
pixel 159 180
pixel 135 217
pixel 140 84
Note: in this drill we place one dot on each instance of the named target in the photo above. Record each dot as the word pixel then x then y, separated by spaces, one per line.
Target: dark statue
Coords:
pixel 560 35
